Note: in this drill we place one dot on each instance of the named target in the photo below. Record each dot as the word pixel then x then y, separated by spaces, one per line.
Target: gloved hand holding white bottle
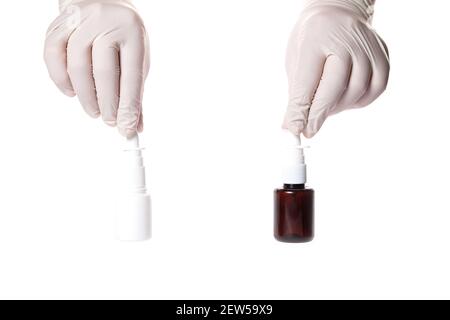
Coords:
pixel 99 51
pixel 335 61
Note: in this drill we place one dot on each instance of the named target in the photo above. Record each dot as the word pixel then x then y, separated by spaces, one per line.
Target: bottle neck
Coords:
pixel 294 187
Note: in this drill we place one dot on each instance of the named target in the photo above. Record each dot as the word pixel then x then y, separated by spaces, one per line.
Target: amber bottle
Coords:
pixel 294 214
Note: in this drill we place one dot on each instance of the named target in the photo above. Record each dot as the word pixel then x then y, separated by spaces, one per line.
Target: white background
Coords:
pixel 214 102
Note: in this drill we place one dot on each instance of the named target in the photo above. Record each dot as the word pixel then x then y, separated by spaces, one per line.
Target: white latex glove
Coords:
pixel 99 51
pixel 335 61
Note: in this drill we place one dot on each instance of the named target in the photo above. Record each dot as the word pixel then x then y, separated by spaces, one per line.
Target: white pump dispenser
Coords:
pixel 134 203
pixel 294 167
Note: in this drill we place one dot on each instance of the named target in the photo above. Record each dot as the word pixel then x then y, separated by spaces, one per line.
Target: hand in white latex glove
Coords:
pixel 98 50
pixel 335 61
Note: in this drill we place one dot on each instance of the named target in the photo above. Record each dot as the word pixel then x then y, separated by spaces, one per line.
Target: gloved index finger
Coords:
pixel 133 73
pixel 304 66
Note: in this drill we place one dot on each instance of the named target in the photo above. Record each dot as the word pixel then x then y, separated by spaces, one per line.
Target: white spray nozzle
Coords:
pixel 294 167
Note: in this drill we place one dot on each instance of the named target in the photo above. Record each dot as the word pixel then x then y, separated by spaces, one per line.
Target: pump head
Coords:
pixel 294 166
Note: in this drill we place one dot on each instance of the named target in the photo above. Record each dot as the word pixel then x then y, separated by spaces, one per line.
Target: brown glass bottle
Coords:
pixel 294 214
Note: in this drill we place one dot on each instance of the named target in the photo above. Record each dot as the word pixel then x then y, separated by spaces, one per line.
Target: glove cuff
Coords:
pixel 364 8
pixel 64 4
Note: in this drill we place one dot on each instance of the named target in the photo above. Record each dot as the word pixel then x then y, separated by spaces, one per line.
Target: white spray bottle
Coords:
pixel 134 202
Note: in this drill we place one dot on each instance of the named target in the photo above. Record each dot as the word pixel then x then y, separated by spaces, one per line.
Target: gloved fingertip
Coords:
pixel 111 123
pixel 68 92
pixel 294 129
pixel 140 128
pixel 93 114
pixel 128 133
pixel 309 134
pixel 314 126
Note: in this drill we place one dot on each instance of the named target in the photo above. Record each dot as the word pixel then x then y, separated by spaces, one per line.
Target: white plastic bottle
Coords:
pixel 134 202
